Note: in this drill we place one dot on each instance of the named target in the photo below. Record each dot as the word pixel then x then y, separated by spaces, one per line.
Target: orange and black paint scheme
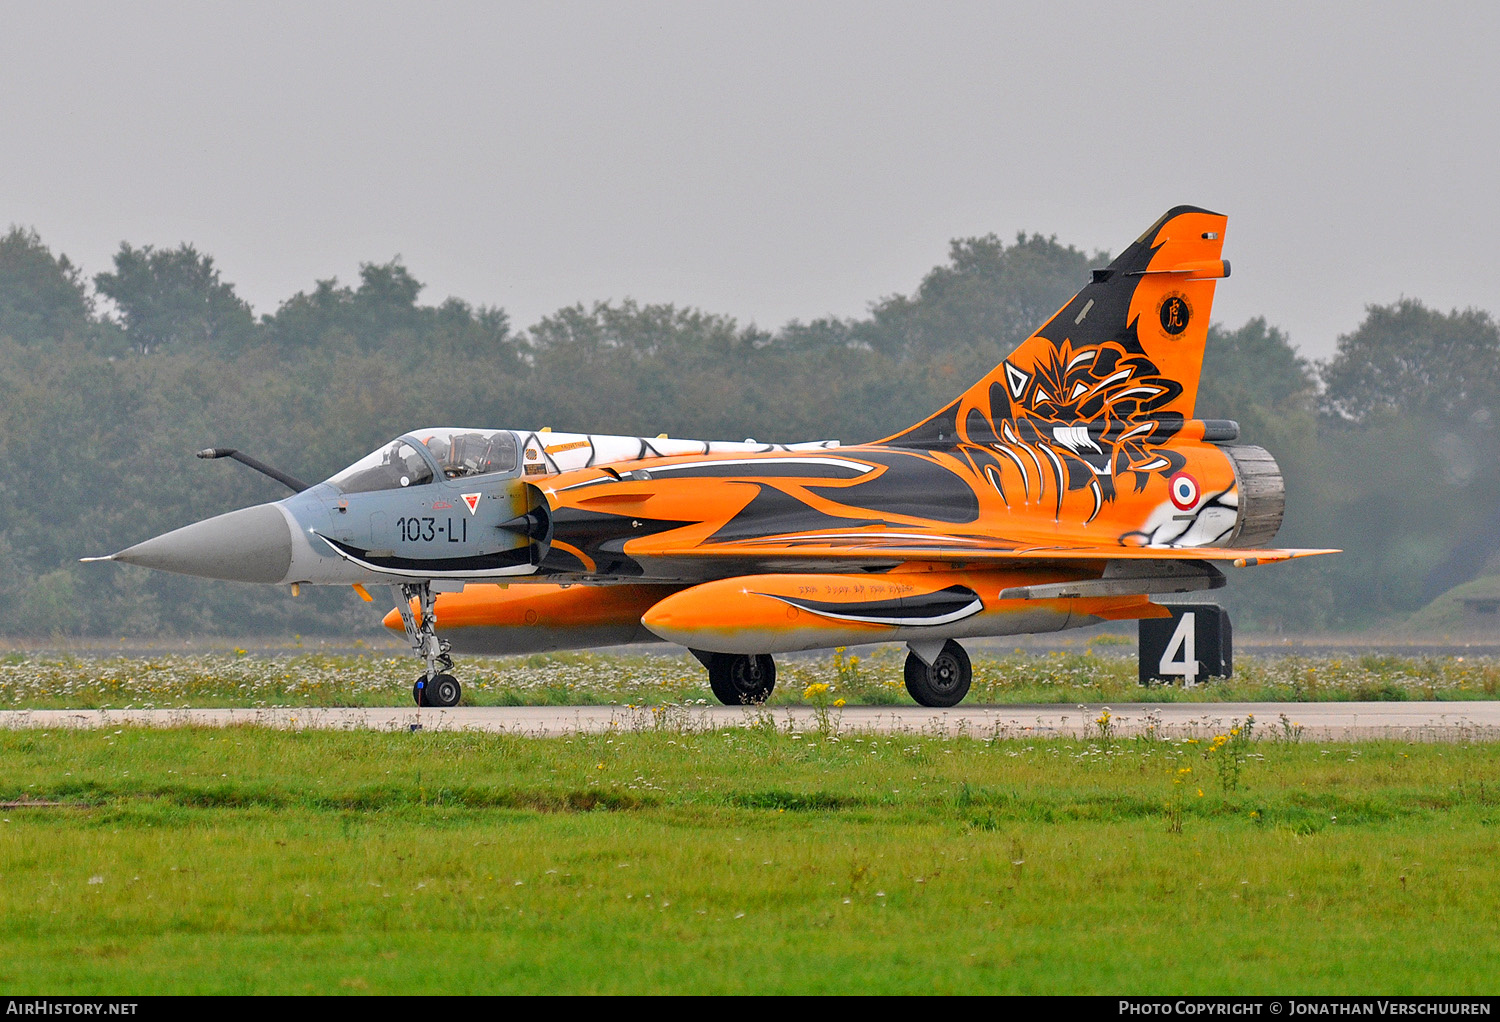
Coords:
pixel 1067 487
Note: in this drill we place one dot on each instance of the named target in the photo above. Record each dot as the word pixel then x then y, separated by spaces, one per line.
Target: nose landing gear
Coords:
pixel 440 690
pixel 434 686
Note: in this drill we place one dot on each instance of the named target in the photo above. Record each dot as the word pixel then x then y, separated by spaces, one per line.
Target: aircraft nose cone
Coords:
pixel 253 544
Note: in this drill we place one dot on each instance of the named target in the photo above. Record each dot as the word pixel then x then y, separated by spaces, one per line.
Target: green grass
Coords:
pixel 748 860
pixel 1447 614
pixel 567 679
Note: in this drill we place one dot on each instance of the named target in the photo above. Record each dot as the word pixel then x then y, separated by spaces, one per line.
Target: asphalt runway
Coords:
pixel 1408 721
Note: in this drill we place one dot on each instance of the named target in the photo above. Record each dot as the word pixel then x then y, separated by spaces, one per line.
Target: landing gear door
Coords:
pixel 1195 643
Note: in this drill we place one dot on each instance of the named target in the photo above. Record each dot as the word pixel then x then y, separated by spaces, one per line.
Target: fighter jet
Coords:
pixel 1067 487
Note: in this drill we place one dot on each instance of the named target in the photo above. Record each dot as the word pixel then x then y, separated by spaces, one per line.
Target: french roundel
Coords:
pixel 1184 490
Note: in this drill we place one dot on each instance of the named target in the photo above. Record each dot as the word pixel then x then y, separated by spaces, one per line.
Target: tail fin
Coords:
pixel 1128 347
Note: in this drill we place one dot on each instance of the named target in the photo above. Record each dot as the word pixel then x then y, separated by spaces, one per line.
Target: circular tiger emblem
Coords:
pixel 1175 313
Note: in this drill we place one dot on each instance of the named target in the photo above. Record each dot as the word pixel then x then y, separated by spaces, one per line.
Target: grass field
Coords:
pixel 566 679
pixel 747 860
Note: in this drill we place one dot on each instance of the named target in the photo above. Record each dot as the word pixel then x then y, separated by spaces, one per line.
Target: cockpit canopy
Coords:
pixel 393 466
pixel 423 455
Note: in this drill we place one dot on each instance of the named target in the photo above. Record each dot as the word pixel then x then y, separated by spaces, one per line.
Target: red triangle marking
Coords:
pixel 472 500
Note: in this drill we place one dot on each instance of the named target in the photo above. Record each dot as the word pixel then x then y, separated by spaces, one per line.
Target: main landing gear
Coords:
pixel 938 675
pixel 739 679
pixel 434 686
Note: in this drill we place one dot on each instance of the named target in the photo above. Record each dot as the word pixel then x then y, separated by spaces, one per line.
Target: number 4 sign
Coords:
pixel 1195 642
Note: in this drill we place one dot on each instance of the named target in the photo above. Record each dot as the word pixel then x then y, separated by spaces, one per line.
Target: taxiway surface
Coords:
pixel 1409 721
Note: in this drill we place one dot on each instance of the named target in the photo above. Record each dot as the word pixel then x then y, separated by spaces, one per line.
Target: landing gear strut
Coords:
pixel 739 679
pixel 434 686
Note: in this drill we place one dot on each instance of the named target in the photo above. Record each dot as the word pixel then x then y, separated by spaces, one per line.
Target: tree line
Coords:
pixel 109 383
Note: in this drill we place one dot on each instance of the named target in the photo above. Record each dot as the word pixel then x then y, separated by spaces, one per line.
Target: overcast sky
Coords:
pixel 766 160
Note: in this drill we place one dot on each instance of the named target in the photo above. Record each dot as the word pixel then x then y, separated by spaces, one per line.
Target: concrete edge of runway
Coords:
pixel 1399 721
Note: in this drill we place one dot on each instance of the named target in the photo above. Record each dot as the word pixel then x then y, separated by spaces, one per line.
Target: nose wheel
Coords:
pixel 435 686
pixel 441 690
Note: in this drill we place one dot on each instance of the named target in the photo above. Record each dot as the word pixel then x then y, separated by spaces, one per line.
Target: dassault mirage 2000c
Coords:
pixel 1067 487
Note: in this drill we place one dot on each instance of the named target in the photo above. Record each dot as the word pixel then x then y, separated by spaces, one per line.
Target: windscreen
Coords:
pixel 393 466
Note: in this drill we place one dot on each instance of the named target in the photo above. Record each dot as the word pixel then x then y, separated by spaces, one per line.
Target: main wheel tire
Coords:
pixel 945 681
pixel 740 679
pixel 419 691
pixel 444 690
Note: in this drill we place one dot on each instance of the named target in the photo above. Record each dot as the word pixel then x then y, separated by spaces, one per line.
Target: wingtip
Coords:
pixel 1251 558
pixel 92 560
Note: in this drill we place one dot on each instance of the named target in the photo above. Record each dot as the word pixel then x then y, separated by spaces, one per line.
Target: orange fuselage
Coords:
pixel 1063 488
